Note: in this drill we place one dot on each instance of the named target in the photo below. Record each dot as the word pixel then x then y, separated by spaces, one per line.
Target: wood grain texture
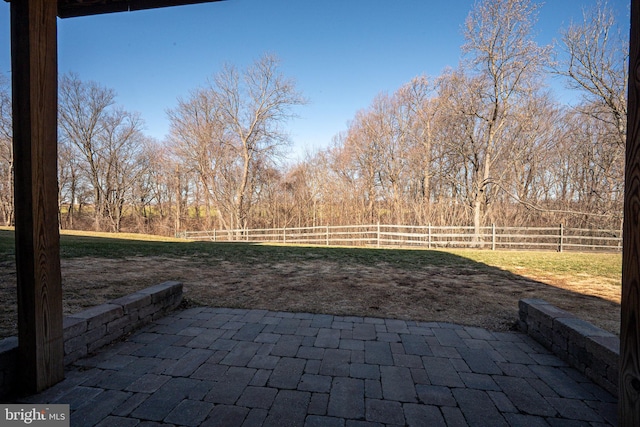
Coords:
pixel 34 91
pixel 629 395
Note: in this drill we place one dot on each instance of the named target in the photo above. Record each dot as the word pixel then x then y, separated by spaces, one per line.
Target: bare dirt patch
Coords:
pixel 482 297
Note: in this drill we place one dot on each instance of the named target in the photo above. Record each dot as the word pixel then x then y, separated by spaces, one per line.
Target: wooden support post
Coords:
pixel 629 379
pixel 35 101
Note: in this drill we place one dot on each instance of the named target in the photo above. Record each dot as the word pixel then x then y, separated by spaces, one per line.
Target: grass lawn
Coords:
pixel 476 287
pixel 607 266
pixel 533 264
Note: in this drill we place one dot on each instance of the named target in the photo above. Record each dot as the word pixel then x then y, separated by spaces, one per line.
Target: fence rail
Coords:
pixel 380 235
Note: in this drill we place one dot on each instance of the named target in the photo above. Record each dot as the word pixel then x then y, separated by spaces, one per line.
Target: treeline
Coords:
pixel 483 143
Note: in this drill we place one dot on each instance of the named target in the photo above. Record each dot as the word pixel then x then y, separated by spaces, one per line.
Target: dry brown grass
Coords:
pixel 466 294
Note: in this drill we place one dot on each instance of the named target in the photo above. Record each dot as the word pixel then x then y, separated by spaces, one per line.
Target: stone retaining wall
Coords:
pixel 87 331
pixel 591 350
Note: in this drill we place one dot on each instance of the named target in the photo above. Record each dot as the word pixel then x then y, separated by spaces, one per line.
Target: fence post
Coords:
pixel 378 236
pixel 429 235
pixel 284 235
pixel 214 234
pixel 560 248
pixel 620 240
pixel 493 237
pixel 327 235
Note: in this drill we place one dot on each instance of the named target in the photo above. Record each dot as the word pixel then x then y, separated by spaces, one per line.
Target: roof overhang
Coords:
pixel 71 8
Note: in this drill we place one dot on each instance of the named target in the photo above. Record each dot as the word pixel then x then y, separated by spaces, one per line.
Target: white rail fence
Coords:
pixel 379 235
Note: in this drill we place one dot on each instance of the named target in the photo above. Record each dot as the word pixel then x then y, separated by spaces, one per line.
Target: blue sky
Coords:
pixel 341 53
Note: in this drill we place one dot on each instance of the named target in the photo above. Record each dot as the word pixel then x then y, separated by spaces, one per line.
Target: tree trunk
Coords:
pixel 241 215
pixel 477 218
pixel 97 207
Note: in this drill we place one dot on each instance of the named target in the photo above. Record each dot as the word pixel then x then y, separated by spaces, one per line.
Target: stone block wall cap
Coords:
pixel 534 301
pixel 584 328
pixel 96 311
pixel 552 311
pixel 132 301
pixel 8 344
pixel 69 321
pixel 611 342
pixel 161 287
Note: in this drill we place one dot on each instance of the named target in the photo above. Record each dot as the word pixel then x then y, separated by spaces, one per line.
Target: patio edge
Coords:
pixel 589 349
pixel 95 327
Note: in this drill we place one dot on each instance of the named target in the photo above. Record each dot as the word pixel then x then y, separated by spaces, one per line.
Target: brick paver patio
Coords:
pixel 231 367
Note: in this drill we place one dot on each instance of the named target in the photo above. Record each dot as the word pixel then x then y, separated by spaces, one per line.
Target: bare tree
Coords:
pixel 596 64
pixel 596 162
pixel 420 106
pixel 357 158
pixel 73 187
pixel 105 142
pixel 6 153
pixel 123 161
pixel 82 109
pixel 254 107
pixel 197 138
pixel 462 154
pixel 533 138
pixel 153 191
pixel 384 156
pixel 235 126
pixel 500 48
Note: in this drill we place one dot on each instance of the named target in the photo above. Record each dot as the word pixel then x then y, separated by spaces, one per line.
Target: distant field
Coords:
pixel 467 286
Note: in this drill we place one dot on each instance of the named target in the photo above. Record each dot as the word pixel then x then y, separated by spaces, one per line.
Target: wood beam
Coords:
pixel 34 62
pixel 629 379
pixel 71 8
